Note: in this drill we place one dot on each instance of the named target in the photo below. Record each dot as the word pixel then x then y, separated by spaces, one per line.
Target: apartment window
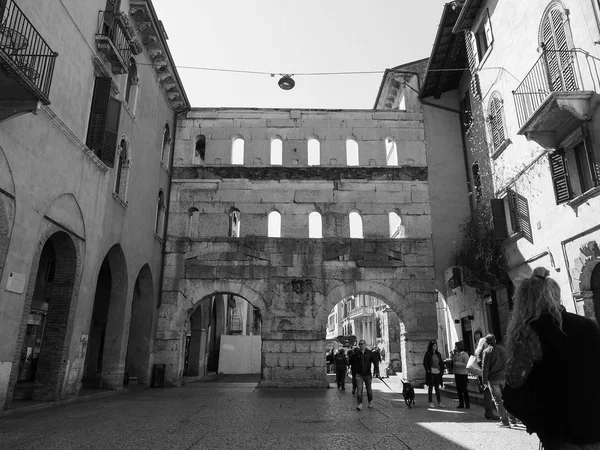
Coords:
pixel 315 225
pixel 555 39
pixel 356 225
pixel 314 152
pixel 160 214
pixel 351 152
pixel 193 222
pixel 484 36
pixel 276 151
pixel 132 81
pixel 123 164
pixel 166 145
pixel 201 147
pixel 391 152
pixel 496 126
pixel 274 226
pixel 511 217
pixel 103 127
pixel 234 223
pixel 466 114
pixel 574 170
pixel 396 228
pixel 237 151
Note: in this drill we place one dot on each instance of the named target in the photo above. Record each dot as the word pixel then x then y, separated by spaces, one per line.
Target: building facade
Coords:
pixel 88 98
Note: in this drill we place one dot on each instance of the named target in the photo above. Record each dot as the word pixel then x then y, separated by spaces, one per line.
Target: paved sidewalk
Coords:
pixel 235 415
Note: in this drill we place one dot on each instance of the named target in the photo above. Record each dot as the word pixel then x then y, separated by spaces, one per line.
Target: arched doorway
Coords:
pixel 42 360
pixel 595 287
pixel 224 336
pixel 140 329
pixel 102 368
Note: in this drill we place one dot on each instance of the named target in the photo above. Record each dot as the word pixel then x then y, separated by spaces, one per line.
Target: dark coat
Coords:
pixel 361 362
pixel 429 379
pixel 341 362
pixel 560 397
pixel 493 365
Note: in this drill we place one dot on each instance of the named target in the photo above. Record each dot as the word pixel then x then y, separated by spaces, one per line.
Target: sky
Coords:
pixel 284 37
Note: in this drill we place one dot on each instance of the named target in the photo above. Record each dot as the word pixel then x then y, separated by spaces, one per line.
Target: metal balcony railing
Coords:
pixel 361 311
pixel 555 71
pixel 25 48
pixel 110 26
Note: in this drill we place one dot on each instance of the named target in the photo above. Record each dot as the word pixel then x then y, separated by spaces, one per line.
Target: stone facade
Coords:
pixel 296 280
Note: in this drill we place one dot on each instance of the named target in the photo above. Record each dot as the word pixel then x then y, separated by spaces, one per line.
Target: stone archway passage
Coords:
pixel 595 287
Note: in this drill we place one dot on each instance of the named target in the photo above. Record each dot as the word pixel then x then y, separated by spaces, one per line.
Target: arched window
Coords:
pixel 276 151
pixel 132 81
pixel 351 152
pixel 476 181
pixel 123 164
pixel 396 228
pixel 356 226
pixel 234 223
pixel 274 229
pixel 496 121
pixel 314 152
pixel 166 145
pixel 237 151
pixel 315 225
pixel 160 214
pixel 201 147
pixel 391 152
pixel 556 40
pixel 193 223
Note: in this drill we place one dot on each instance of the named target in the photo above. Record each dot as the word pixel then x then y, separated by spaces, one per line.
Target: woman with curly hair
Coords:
pixel 552 375
pixel 434 369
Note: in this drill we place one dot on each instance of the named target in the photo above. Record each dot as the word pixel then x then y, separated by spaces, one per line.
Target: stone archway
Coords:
pixel 137 362
pixel 583 273
pixel 102 363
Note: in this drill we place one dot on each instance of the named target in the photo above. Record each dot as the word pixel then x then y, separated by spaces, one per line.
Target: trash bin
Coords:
pixel 158 376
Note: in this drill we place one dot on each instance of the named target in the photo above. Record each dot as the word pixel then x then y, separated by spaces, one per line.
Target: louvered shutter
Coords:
pixel 512 209
pixel 560 176
pixel 471 46
pixel 99 110
pixel 522 213
pixel 496 124
pixel 594 166
pixel 559 60
pixel 499 219
pixel 111 132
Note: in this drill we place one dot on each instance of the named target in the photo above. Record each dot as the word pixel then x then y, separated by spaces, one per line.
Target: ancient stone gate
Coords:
pixel 220 239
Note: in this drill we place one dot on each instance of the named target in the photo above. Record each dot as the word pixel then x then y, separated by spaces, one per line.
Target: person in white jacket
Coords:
pixel 459 363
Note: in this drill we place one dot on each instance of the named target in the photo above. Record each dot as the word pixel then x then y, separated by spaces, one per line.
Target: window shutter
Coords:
pixel 512 209
pixel 594 166
pixel 560 176
pixel 496 124
pixel 111 132
pixel 499 219
pixel 99 110
pixel 471 46
pixel 522 212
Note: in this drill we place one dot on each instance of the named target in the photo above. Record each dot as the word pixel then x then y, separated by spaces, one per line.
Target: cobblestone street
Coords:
pixel 236 415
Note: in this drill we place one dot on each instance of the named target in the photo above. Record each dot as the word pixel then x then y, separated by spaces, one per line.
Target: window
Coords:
pixel 166 145
pixel 237 151
pixel 160 214
pixel 351 152
pixel 356 226
pixel 132 81
pixel 234 223
pixel 555 39
pixel 201 147
pixel 112 9
pixel 274 224
pixel 391 152
pixel 402 101
pixel 315 225
pixel 466 114
pixel 276 151
pixel 103 128
pixel 476 181
pixel 495 120
pixel 396 228
pixel 314 152
pixel 511 217
pixel 123 164
pixel 483 36
pixel 574 170
pixel 193 223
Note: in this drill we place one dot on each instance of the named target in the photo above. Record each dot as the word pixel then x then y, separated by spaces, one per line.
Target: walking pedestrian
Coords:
pixel 341 367
pixel 494 362
pixel 552 378
pixel 434 369
pixel 352 371
pixel 361 365
pixel 488 402
pixel 459 364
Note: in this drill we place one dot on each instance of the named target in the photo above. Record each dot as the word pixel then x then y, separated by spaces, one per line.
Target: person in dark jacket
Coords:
pixel 353 373
pixel 552 379
pixel 341 367
pixel 434 369
pixel 494 360
pixel 361 361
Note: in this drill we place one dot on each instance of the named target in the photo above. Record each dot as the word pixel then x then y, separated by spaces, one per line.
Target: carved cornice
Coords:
pixel 153 41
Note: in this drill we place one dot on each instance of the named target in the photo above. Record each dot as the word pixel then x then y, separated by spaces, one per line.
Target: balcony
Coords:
pixel 113 39
pixel 26 64
pixel 559 92
pixel 361 312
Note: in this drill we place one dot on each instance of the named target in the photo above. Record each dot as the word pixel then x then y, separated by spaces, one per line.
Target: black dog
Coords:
pixel 409 393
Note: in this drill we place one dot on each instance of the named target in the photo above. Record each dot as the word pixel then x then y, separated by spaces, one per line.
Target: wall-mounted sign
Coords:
pixel 16 282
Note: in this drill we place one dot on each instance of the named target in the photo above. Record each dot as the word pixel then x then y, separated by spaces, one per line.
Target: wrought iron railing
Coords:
pixel 360 311
pixel 23 45
pixel 109 26
pixel 555 71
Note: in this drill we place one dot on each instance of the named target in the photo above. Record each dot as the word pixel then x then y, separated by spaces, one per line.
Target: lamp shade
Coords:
pixel 286 83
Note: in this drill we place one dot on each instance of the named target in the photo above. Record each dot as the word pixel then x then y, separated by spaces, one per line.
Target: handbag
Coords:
pixel 473 366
